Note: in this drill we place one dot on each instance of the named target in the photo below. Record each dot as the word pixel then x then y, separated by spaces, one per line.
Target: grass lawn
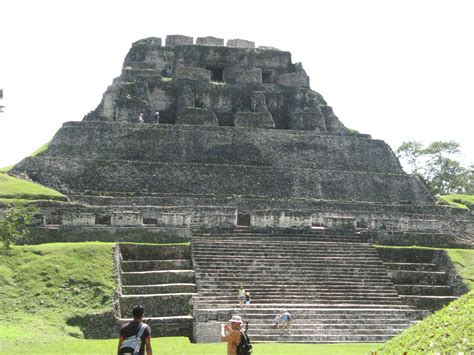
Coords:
pixel 460 201
pixel 182 346
pixel 15 189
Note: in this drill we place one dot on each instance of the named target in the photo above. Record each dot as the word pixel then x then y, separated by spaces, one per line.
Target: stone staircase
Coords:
pixel 417 276
pixel 162 280
pixel 336 287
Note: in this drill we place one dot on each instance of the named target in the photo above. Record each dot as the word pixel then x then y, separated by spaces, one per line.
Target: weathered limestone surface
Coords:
pixel 242 43
pixel 210 41
pixel 176 40
pixel 197 116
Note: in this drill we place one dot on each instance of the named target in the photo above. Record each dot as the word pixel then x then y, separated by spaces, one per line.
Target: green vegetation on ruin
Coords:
pixel 40 149
pixel 448 331
pixel 460 201
pixel 44 285
pixel 13 190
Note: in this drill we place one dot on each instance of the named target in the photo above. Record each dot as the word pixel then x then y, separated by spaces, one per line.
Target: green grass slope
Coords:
pixel 44 285
pixel 463 260
pixel 460 201
pixel 448 331
pixel 12 188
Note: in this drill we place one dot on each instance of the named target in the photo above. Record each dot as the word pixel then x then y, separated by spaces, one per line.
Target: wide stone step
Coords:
pixel 312 331
pixel 296 273
pixel 167 326
pixel 158 277
pixel 424 290
pixel 263 328
pixel 295 305
pixel 411 266
pixel 282 247
pixel 158 305
pixel 328 338
pixel 271 256
pixel 289 279
pixel 162 288
pixel 418 277
pixel 149 265
pixel 310 264
pixel 298 293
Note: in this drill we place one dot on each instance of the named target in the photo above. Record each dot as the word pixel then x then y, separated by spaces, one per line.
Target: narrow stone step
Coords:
pixel 161 288
pixel 431 303
pixel 150 265
pixel 411 266
pixel 158 277
pixel 418 277
pixel 158 305
pixel 424 290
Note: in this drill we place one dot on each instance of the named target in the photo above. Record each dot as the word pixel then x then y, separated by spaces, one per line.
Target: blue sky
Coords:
pixel 398 70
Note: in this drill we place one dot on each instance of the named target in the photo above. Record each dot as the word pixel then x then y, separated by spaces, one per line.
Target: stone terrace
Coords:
pixel 161 279
pixel 336 287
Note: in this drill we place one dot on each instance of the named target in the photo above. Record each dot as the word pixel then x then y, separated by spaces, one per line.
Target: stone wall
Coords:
pixel 222 145
pixel 224 180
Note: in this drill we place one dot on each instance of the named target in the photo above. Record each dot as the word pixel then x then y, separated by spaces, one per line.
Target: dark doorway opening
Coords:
pixel 243 219
pixel 147 220
pixel 217 73
pixel 266 77
pixel 106 220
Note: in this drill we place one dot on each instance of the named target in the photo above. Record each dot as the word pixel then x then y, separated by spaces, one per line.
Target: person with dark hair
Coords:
pixel 135 336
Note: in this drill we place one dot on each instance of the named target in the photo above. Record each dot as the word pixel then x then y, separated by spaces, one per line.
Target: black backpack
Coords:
pixel 244 348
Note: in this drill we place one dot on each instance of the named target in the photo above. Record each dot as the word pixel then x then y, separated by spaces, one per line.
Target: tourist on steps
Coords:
pixel 156 116
pixel 283 320
pixel 231 334
pixel 135 336
pixel 241 296
pixel 140 118
pixel 247 299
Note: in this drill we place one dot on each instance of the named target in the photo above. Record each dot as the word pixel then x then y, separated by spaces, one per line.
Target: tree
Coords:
pixel 16 223
pixel 437 166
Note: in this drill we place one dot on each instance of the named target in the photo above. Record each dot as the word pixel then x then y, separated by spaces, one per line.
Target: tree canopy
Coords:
pixel 437 165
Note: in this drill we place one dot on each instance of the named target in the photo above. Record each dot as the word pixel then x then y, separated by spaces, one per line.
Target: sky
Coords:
pixel 398 70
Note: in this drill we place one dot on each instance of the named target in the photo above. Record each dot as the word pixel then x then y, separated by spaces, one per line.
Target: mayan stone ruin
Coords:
pixel 254 168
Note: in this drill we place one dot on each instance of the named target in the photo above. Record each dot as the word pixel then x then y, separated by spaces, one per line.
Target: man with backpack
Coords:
pixel 135 336
pixel 238 342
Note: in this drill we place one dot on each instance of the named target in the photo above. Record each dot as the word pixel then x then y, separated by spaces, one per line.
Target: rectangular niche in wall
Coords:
pixel 103 220
pixel 243 219
pixel 217 73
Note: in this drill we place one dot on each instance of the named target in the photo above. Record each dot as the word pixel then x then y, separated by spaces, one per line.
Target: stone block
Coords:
pixel 242 76
pixel 241 43
pixel 293 79
pixel 208 332
pixel 197 116
pixel 126 219
pixel 176 40
pixel 192 73
pixel 131 74
pixel 254 119
pixel 291 219
pixel 79 218
pixel 210 41
pixel 150 41
pixel 308 121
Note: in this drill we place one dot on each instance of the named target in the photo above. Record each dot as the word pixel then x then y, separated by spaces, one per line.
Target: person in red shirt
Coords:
pixel 135 333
